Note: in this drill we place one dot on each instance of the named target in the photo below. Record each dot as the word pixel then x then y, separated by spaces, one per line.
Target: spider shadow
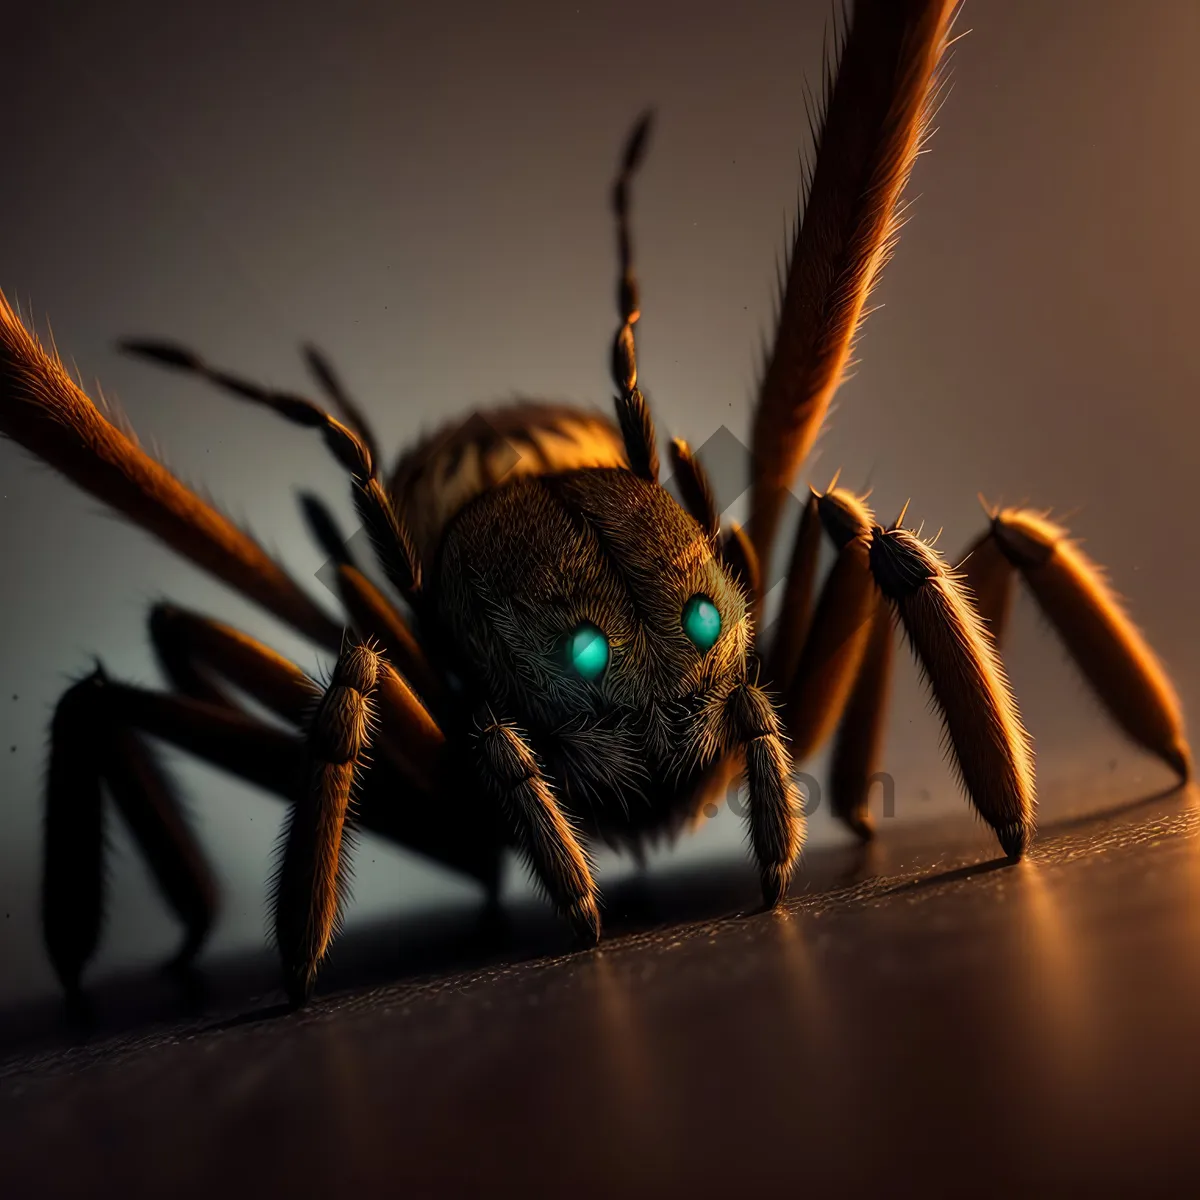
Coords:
pixel 242 989
pixel 1116 811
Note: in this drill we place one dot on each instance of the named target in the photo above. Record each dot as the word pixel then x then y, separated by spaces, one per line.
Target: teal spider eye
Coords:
pixel 701 621
pixel 587 651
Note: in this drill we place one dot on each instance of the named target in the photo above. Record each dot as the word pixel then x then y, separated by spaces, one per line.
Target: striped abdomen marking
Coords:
pixel 465 458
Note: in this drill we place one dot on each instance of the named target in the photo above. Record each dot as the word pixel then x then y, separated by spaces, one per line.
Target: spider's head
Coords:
pixel 592 609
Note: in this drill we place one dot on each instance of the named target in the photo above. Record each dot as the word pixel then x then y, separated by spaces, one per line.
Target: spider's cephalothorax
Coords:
pixel 598 614
pixel 567 653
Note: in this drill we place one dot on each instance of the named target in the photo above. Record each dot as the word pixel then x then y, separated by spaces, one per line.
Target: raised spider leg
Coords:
pixel 509 772
pixel 1112 653
pixel 43 409
pixel 875 111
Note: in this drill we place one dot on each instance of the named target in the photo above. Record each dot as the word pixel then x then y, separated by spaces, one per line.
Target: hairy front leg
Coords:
pixel 542 834
pixel 310 888
pixel 775 816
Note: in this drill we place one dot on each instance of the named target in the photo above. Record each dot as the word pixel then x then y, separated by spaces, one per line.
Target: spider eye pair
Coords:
pixel 587 647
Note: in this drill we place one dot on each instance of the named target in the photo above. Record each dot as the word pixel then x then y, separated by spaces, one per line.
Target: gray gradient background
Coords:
pixel 424 192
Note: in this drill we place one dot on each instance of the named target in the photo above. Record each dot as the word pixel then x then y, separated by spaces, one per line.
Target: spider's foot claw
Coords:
pixel 775 879
pixel 182 963
pixel 1179 758
pixel 78 1007
pixel 584 916
pixel 860 824
pixel 298 982
pixel 1014 838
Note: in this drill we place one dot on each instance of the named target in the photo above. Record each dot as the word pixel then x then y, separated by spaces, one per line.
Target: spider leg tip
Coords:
pixel 775 880
pixel 1179 759
pixel 585 922
pixel 1015 838
pixel 861 825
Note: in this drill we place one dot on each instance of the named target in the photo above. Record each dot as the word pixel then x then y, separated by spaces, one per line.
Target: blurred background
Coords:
pixel 423 191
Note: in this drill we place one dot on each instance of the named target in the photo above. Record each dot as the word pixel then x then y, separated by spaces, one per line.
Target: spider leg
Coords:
pixel 876 109
pixel 775 816
pixel 694 486
pixel 791 630
pixel 330 383
pixel 43 410
pixel 389 534
pixel 192 648
pixel 860 736
pixel 371 613
pixel 412 761
pixel 991 748
pixel 737 552
pixel 540 830
pixel 816 695
pixel 98 739
pixel 991 579
pixel 633 414
pixel 833 641
pixel 311 885
pixel 735 548
pixel 95 739
pixel 1114 656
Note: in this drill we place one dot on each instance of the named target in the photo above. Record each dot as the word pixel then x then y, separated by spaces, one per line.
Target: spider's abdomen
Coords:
pixel 465 458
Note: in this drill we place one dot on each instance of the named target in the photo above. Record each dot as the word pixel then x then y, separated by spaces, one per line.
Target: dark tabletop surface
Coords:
pixel 919 1017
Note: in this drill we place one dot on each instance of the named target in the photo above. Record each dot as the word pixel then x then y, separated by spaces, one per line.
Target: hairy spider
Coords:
pixel 569 653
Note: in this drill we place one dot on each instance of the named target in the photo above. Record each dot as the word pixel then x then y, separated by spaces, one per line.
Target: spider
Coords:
pixel 563 653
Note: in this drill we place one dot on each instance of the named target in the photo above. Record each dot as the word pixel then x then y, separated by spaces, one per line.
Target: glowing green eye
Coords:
pixel 701 621
pixel 587 651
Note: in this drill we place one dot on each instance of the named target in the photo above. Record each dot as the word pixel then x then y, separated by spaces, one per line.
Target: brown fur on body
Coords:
pixel 465 458
pixel 524 564
pixel 1115 658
